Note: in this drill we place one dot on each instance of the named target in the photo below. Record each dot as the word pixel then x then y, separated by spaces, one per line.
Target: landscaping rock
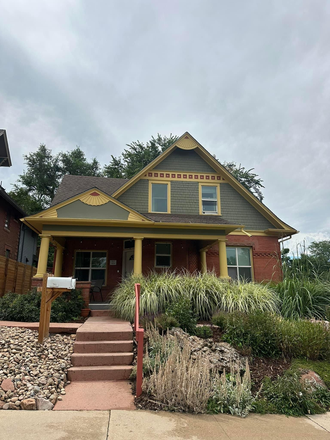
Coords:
pixel 29 370
pixel 7 385
pixel 44 405
pixel 220 354
pixel 312 380
pixel 28 404
pixel 2 404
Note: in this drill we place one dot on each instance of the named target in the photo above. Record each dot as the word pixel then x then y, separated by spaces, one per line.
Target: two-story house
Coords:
pixel 182 211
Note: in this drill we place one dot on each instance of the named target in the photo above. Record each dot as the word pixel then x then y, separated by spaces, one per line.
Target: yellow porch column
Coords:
pixel 137 255
pixel 203 262
pixel 43 256
pixel 58 260
pixel 223 259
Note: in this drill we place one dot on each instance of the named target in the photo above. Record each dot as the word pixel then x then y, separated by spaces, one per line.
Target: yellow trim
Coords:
pixel 203 261
pixel 163 267
pixel 190 176
pixel 52 212
pixel 178 236
pixel 99 200
pixel 90 268
pixel 151 182
pixel 58 261
pixel 43 255
pixel 223 259
pixel 266 212
pixel 200 198
pixel 138 255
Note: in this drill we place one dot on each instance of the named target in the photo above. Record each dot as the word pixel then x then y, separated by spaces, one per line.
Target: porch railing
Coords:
pixel 139 334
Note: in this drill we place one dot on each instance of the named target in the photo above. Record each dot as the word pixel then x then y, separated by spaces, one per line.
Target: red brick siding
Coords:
pixel 266 256
pixel 9 239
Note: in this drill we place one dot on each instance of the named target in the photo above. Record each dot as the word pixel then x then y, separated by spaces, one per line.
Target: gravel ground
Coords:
pixel 32 376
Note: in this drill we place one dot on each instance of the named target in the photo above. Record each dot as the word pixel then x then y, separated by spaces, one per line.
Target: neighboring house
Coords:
pixel 5 160
pixel 183 211
pixel 17 241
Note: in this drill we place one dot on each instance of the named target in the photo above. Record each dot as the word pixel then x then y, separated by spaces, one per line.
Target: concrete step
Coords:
pixel 115 372
pixel 103 347
pixel 101 313
pixel 98 359
pixel 99 306
pixel 104 335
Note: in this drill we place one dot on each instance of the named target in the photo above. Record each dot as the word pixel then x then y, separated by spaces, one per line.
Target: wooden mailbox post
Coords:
pixel 52 288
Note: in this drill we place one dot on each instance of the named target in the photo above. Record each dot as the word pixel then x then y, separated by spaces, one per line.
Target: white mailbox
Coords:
pixel 61 283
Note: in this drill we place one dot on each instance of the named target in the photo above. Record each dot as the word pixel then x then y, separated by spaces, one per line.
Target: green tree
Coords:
pixel 137 156
pixel 23 199
pixel 74 162
pixel 247 178
pixel 319 251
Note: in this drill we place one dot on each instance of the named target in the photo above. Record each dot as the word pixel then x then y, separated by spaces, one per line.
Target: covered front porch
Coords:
pixel 110 258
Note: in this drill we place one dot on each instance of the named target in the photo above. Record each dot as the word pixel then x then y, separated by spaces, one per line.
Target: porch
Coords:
pixel 111 259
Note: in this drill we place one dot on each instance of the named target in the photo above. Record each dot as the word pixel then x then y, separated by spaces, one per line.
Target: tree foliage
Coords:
pixel 247 178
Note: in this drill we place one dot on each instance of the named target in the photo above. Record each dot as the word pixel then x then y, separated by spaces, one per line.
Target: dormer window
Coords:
pixel 159 197
pixel 209 199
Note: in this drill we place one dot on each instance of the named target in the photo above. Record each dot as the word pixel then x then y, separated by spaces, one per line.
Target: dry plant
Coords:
pixel 181 383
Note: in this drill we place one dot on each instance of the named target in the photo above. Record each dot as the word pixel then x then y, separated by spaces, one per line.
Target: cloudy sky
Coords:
pixel 249 79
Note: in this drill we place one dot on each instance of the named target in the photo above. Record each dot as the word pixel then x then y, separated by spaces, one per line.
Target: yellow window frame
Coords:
pixel 217 185
pixel 151 182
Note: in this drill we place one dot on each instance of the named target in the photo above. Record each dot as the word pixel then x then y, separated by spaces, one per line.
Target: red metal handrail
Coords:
pixel 139 334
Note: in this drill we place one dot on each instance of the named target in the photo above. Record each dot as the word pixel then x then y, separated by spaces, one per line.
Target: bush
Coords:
pixel 322 368
pixel 304 298
pixel 182 312
pixel 220 320
pixel 26 308
pixel 257 330
pixel 164 322
pixel 287 395
pixel 232 394
pixel 204 332
pixel 206 292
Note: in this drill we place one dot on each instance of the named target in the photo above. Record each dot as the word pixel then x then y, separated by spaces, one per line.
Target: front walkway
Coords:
pixel 146 425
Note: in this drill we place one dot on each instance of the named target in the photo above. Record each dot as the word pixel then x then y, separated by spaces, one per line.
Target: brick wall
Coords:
pixel 266 256
pixel 9 238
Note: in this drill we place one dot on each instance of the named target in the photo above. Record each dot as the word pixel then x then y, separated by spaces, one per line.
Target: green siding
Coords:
pixel 185 161
pixel 79 209
pixel 236 209
pixel 136 197
pixel 184 198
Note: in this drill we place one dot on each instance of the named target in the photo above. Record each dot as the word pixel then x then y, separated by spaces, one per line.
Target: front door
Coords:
pixel 128 263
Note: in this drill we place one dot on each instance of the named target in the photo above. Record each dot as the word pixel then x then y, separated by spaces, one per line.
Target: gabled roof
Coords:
pixel 188 142
pixel 71 186
pixel 5 160
pixel 8 199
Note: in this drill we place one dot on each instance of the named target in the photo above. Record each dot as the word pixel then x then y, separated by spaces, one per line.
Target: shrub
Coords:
pixel 204 332
pixel 257 330
pixel 206 292
pixel 287 395
pixel 232 394
pixel 322 368
pixel 304 298
pixel 181 383
pixel 165 322
pixel 26 308
pixel 182 312
pixel 220 319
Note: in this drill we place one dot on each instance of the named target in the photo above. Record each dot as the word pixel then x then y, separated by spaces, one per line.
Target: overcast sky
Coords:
pixel 250 80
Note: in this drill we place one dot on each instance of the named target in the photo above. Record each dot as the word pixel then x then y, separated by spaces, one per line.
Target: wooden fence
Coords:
pixel 14 276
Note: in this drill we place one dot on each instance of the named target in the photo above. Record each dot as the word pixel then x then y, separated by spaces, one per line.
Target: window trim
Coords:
pixel 7 221
pixel 168 183
pixel 237 266
pixel 90 268
pixel 217 185
pixel 164 255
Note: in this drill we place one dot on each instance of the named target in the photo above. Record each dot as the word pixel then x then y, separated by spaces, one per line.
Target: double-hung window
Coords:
pixel 210 200
pixel 90 266
pixel 239 263
pixel 159 198
pixel 163 255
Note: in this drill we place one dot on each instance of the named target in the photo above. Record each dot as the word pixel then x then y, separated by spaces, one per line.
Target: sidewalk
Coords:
pixel 147 425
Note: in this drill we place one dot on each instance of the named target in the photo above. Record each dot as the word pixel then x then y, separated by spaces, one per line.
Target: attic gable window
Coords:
pixel 159 197
pixel 209 199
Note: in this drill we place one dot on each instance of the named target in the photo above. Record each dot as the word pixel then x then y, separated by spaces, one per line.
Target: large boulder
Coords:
pixel 312 380
pixel 220 354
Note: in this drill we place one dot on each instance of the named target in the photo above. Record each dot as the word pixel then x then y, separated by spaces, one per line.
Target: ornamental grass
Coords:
pixel 206 292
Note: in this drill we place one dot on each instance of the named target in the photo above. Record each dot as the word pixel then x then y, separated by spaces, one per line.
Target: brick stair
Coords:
pixel 103 350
